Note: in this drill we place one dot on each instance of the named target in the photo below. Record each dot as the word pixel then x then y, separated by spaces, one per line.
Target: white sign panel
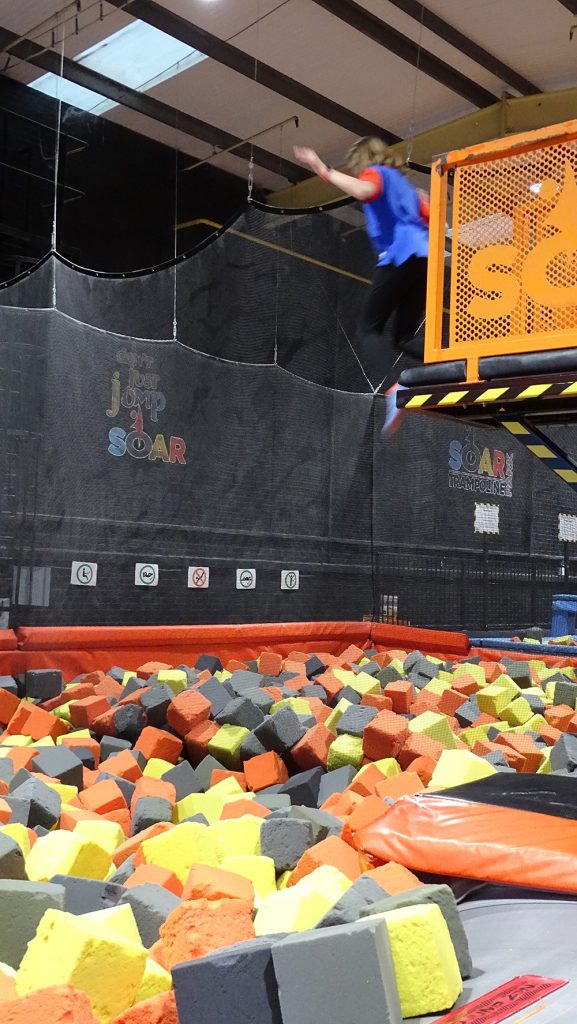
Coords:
pixel 568 528
pixel 146 574
pixel 289 579
pixel 83 574
pixel 486 518
pixel 198 577
pixel 245 579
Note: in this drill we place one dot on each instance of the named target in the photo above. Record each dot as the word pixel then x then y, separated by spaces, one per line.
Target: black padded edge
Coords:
pixel 526 363
pixel 434 373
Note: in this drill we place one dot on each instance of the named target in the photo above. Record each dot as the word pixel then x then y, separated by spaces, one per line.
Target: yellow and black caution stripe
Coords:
pixel 543 448
pixel 481 394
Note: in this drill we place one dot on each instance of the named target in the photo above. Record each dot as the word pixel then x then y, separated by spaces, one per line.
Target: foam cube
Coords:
pixel 199 927
pixel 456 767
pixel 259 870
pixel 180 848
pixel 236 983
pixel 86 954
pixel 66 853
pixel 426 967
pixel 344 974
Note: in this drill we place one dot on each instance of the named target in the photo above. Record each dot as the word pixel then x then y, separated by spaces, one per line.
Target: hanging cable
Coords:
pixel 411 133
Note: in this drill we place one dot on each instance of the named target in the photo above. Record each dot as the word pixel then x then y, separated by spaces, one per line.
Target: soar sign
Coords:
pixel 482 470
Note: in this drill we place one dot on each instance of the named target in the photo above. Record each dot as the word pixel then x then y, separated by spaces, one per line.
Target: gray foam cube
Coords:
pixel 323 823
pixel 45 803
pixel 123 873
pixel 234 984
pixel 335 782
pixel 241 711
pixel 362 893
pixel 355 719
pixel 274 801
pixel 204 771
pixel 85 895
pixel 342 974
pixel 564 753
pixel 565 693
pixel 149 810
pixel 443 896
pixel 11 859
pixel 60 763
pixel 23 904
pixel 151 905
pixel 216 693
pixel 184 779
pixel 285 840
pixel 242 680
pixel 281 731
pixel 43 683
pixel 303 788
pixel 251 747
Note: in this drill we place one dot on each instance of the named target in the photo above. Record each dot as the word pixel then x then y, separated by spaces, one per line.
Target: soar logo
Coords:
pixel 140 392
pixel 483 471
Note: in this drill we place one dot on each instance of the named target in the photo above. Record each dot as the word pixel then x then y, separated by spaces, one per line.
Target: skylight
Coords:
pixel 138 56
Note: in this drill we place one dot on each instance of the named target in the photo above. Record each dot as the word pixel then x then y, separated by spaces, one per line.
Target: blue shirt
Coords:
pixel 394 223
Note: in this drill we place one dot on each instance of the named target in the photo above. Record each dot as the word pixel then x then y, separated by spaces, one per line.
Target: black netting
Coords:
pixel 250 436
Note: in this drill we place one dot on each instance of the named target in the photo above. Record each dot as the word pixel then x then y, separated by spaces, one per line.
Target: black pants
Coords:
pixel 400 291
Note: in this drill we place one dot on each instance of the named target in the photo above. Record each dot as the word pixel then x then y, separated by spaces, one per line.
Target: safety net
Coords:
pixel 201 442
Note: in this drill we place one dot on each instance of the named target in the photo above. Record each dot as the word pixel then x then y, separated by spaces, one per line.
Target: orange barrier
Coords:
pixel 493 654
pixel 76 649
pixel 445 836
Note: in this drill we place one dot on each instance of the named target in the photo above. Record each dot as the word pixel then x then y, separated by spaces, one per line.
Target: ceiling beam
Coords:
pixel 417 10
pixel 408 50
pixel 244 63
pixel 571 5
pixel 49 60
pixel 509 116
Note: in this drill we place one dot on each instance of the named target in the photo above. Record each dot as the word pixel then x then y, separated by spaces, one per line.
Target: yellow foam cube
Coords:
pixel 345 749
pixel 17 740
pixel 241 835
pixel 65 792
pixel 455 767
pixel 83 733
pixel 479 732
pixel 226 743
pixel 46 741
pixel 223 675
pixel 388 766
pixel 120 920
pixel 517 712
pixel 475 671
pixel 426 967
pixel 127 676
pixel 156 767
pixel 19 833
pixel 435 726
pixel 345 675
pixel 227 787
pixel 62 712
pixel 175 678
pixel 155 981
pixel 494 698
pixel 210 804
pixel 364 683
pixel 184 845
pixel 299 705
pixel 65 853
pixel 259 870
pixel 86 954
pixel 438 686
pixel 107 834
pixel 283 880
pixel 336 714
pixel 303 905
pixel 545 766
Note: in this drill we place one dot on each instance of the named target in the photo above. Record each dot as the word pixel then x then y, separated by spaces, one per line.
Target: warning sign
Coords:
pixel 245 579
pixel 146 574
pixel 502 1002
pixel 83 574
pixel 289 579
pixel 198 577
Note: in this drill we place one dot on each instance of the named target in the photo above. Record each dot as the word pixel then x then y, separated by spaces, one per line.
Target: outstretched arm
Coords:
pixel 364 191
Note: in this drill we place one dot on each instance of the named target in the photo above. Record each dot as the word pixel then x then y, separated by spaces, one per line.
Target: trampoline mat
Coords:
pixel 514 937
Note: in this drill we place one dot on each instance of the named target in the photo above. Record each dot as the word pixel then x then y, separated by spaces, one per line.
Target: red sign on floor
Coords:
pixel 504 1001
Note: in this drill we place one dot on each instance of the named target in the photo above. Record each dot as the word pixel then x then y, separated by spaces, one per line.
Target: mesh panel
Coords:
pixel 284 462
pixel 515 248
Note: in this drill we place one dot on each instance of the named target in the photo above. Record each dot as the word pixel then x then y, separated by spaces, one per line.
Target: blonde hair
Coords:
pixel 371 150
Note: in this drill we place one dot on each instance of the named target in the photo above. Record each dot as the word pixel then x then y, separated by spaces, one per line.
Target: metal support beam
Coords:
pixel 389 38
pixel 417 10
pixel 542 447
pixel 49 60
pixel 245 64
pixel 510 115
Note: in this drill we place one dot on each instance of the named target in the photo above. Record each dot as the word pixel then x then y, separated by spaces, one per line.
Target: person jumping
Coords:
pixel 397 217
